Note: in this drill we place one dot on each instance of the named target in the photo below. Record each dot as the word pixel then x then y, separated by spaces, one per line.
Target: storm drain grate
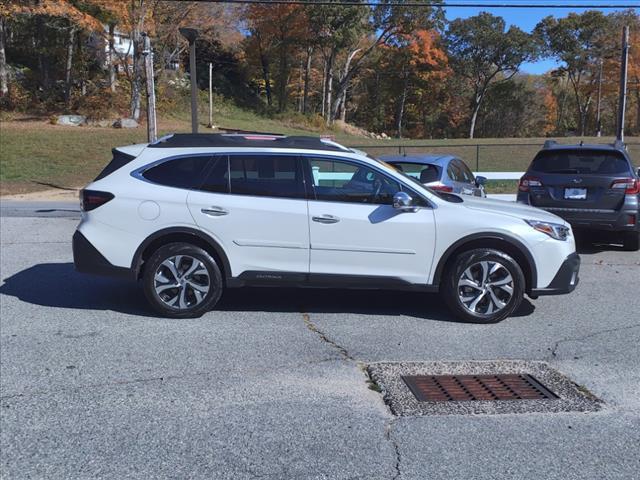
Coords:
pixel 464 388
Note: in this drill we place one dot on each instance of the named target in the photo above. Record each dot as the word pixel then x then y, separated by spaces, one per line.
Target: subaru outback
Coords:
pixel 593 187
pixel 193 214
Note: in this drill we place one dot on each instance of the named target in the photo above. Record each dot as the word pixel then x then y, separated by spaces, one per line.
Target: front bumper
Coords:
pixel 87 259
pixel 565 281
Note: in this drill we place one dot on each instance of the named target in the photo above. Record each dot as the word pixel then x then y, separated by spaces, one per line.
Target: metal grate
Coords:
pixel 463 388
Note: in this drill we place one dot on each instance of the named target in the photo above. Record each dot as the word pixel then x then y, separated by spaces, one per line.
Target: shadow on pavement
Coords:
pixel 59 285
pixel 589 243
pixel 428 306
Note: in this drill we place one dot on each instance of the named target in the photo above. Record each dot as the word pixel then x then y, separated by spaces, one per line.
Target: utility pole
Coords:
pixel 191 34
pixel 598 109
pixel 622 104
pixel 152 128
pixel 210 95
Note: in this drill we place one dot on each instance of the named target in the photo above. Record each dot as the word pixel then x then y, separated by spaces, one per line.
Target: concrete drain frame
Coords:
pixel 391 378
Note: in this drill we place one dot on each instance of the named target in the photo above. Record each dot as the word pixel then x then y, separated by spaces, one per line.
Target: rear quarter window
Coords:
pixel 184 172
pixel 584 162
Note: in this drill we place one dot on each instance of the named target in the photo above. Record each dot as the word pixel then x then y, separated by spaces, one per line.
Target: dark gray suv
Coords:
pixel 593 187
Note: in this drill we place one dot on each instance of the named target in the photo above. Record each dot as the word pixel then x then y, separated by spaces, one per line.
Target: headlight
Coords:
pixel 554 230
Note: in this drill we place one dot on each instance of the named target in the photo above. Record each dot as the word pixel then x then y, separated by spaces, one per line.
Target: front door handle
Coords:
pixel 214 211
pixel 325 219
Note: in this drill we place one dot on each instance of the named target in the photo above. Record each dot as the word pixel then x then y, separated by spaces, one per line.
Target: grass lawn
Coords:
pixel 35 155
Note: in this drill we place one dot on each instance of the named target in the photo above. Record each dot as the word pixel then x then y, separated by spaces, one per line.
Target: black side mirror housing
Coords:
pixel 480 180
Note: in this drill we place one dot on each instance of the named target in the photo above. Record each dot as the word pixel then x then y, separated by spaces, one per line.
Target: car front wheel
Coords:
pixel 182 281
pixel 483 286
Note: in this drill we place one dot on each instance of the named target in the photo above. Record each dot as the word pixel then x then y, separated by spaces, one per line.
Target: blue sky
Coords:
pixel 527 18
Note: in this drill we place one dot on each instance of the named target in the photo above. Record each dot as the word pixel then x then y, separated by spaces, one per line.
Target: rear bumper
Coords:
pixel 613 221
pixel 565 281
pixel 87 259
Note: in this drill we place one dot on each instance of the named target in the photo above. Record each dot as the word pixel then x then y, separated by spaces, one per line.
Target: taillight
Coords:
pixel 92 199
pixel 526 182
pixel 441 187
pixel 631 185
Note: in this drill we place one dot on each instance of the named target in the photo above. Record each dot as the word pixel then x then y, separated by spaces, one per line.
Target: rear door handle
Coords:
pixel 214 211
pixel 325 219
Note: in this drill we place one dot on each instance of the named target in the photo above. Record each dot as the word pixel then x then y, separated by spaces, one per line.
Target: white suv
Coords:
pixel 192 214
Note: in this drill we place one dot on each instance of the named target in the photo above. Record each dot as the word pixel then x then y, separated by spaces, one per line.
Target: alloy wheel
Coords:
pixel 182 282
pixel 485 287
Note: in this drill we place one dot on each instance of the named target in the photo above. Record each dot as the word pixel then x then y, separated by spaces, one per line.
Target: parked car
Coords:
pixel 191 215
pixel 444 173
pixel 593 187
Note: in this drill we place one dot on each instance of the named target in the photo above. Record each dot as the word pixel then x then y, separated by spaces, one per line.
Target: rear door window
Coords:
pixel 217 177
pixel 454 173
pixel 467 175
pixel 266 175
pixel 183 172
pixel 585 162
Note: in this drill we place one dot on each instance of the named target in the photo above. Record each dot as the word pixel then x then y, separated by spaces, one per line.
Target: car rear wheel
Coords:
pixel 631 241
pixel 483 286
pixel 182 281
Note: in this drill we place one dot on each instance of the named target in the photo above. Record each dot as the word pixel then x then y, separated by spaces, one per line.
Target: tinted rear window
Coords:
pixel 424 172
pixel 217 180
pixel 185 172
pixel 118 161
pixel 266 176
pixel 596 162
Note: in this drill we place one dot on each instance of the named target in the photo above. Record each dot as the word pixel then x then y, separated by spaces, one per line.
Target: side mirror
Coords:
pixel 480 180
pixel 403 202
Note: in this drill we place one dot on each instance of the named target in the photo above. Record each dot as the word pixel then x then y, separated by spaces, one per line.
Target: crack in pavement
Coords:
pixel 388 433
pixel 591 335
pixel 344 353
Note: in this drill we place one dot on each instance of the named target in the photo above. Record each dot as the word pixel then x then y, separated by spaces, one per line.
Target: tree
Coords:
pixel 389 23
pixel 67 15
pixel 483 51
pixel 276 33
pixel 416 64
pixel 580 42
pixel 336 28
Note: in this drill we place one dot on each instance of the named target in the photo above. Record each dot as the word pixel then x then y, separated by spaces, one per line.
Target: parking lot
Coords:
pixel 273 383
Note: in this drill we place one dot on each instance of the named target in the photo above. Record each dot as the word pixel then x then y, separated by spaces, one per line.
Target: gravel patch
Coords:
pixel 402 402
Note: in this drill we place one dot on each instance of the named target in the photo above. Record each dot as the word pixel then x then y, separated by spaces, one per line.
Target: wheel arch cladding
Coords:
pixel 504 243
pixel 179 234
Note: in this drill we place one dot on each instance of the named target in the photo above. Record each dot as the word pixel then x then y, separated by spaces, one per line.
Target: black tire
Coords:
pixel 191 300
pixel 631 241
pixel 451 291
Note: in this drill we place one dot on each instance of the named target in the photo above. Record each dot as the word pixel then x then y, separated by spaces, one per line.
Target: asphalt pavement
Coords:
pixel 273 383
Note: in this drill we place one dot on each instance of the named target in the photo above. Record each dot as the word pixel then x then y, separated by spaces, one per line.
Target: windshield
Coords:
pixel 585 162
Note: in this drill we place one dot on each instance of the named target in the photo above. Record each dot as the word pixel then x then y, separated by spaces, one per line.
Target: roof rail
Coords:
pixel 619 145
pixel 549 144
pixel 251 140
